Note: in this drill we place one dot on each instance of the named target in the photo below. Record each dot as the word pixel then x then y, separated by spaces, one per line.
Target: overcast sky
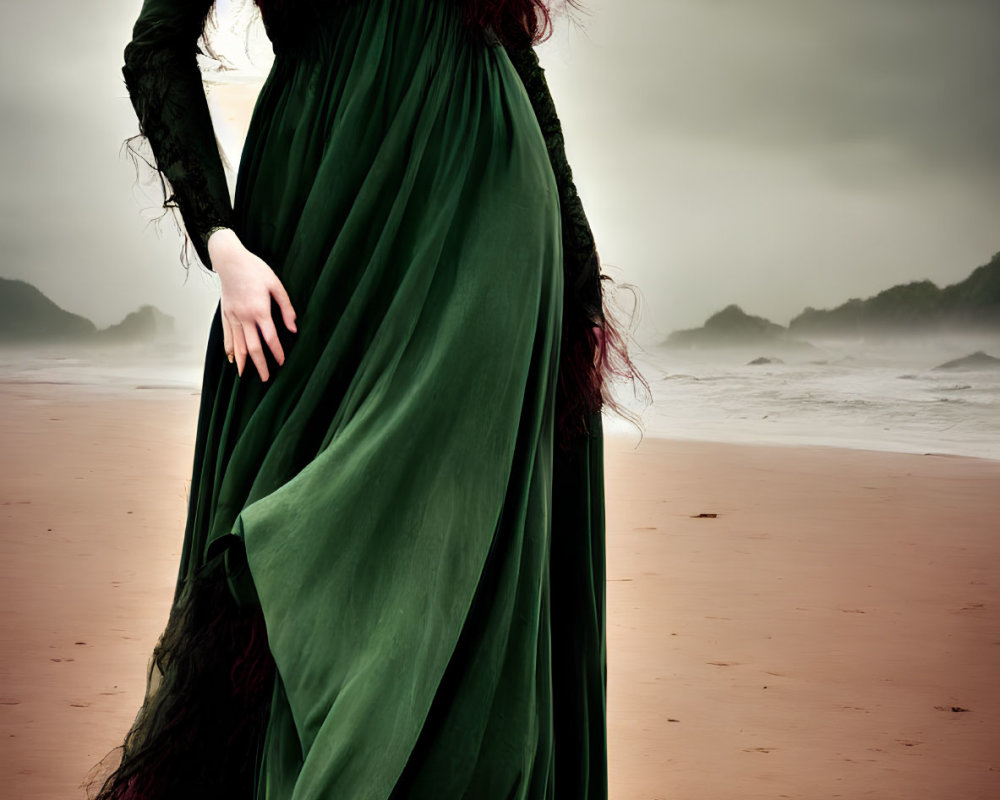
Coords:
pixel 771 153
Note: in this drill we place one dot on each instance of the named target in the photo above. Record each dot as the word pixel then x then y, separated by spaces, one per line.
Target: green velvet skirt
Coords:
pixel 392 506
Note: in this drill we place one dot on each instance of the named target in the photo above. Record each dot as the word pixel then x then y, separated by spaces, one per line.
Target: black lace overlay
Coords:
pixel 165 85
pixel 199 731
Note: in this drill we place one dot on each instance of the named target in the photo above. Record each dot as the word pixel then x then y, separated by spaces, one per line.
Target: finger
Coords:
pixel 239 346
pixel 285 304
pixel 254 348
pixel 270 335
pixel 227 337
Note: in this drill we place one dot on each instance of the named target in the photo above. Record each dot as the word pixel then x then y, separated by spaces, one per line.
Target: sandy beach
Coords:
pixel 800 622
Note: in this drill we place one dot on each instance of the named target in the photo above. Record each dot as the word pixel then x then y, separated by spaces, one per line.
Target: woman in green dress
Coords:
pixel 392 577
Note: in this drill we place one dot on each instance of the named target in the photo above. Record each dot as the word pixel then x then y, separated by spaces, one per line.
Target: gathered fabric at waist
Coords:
pixel 305 28
pixel 294 25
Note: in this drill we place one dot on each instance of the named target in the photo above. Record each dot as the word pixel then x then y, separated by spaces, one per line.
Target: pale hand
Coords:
pixel 248 284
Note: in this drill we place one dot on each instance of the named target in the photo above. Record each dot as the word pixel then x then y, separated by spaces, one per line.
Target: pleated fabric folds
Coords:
pixel 427 561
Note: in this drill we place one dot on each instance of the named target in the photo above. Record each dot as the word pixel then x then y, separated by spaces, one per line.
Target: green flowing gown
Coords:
pixel 428 561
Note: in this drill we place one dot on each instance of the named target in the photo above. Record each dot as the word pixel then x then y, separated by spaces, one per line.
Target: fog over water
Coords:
pixel 842 393
pixel 878 397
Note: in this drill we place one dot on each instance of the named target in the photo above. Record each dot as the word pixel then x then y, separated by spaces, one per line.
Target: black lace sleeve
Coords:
pixel 165 85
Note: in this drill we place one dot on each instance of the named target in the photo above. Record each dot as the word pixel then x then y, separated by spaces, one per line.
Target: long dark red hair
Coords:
pixel 516 22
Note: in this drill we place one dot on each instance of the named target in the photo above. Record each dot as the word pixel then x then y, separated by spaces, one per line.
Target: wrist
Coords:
pixel 223 246
pixel 218 240
pixel 215 233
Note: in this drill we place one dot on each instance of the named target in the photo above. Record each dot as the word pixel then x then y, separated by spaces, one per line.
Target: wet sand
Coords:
pixel 819 638
pixel 834 631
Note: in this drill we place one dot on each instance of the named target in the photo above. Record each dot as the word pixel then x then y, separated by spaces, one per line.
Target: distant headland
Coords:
pixel 919 307
pixel 27 316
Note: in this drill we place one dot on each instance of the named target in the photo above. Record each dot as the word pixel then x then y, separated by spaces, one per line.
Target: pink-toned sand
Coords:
pixel 812 640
